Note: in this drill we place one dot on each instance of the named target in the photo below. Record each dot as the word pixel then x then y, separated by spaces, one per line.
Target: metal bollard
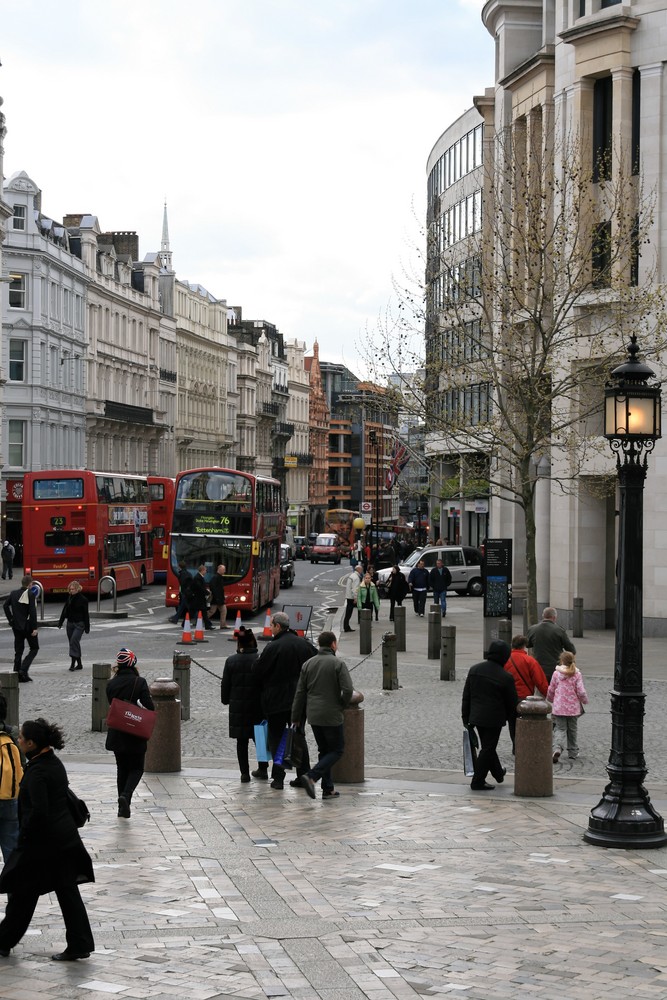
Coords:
pixel 389 668
pixel 434 618
pixel 99 706
pixel 505 630
pixel 578 617
pixel 534 773
pixel 399 628
pixel 448 652
pixel 365 631
pixel 164 746
pixel 350 768
pixel 9 685
pixel 181 664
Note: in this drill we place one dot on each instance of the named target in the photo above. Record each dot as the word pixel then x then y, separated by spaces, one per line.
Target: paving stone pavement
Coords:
pixel 409 885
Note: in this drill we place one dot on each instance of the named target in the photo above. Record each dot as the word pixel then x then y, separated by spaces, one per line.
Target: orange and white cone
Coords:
pixel 237 624
pixel 187 631
pixel 199 628
pixel 266 634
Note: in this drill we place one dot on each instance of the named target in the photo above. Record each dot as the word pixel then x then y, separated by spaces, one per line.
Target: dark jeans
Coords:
pixel 21 906
pixel 330 746
pixel 393 602
pixel 350 605
pixel 20 639
pixel 129 770
pixel 419 601
pixel 487 758
pixel 441 599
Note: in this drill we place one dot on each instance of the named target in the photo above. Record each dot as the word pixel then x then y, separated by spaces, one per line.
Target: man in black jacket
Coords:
pixel 21 613
pixel 440 580
pixel 489 701
pixel 276 672
pixel 198 598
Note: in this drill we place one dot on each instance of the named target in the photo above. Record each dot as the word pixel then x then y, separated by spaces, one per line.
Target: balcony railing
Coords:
pixel 284 430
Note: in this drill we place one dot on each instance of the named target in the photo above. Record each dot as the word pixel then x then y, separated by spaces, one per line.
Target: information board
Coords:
pixel 497 572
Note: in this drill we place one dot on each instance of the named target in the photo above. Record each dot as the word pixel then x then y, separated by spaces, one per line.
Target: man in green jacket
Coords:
pixel 548 640
pixel 323 690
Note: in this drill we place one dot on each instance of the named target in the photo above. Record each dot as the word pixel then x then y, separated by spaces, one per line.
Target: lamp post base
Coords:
pixel 624 817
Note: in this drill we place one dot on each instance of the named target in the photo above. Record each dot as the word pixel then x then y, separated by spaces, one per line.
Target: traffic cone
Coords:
pixel 237 624
pixel 187 632
pixel 266 634
pixel 199 628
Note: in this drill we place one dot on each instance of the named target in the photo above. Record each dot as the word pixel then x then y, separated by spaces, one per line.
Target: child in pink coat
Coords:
pixel 567 695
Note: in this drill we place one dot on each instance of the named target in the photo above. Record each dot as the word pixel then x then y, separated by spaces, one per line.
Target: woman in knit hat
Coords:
pixel 129 750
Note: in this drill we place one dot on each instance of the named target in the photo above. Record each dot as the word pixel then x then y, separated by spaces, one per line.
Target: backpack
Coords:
pixel 11 769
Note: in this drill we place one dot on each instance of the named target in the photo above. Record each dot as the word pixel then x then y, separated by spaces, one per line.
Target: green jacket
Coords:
pixel 362 594
pixel 323 690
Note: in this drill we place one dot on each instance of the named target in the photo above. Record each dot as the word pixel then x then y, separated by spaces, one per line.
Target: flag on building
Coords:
pixel 399 459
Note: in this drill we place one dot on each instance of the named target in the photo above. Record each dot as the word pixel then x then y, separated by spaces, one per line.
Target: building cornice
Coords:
pixel 587 27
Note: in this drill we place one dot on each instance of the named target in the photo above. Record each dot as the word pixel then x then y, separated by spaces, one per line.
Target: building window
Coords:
pixel 15 443
pixel 602 128
pixel 17 291
pixel 601 256
pixel 18 222
pixel 17 360
pixel 608 3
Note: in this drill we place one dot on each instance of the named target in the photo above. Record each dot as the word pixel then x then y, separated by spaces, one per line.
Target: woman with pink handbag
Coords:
pixel 127 685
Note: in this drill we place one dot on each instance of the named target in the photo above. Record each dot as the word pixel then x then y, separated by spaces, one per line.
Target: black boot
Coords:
pixel 79 665
pixel 72 665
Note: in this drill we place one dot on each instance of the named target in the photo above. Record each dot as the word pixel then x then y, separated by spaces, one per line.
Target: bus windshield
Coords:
pixel 197 551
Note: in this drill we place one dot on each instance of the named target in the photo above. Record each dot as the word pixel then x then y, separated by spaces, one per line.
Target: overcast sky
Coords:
pixel 289 138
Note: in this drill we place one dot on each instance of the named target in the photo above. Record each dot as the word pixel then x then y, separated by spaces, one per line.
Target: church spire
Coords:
pixel 165 252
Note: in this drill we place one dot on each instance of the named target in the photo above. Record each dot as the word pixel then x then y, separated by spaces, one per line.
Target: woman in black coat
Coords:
pixel 238 689
pixel 129 750
pixel 397 588
pixel 50 856
pixel 75 613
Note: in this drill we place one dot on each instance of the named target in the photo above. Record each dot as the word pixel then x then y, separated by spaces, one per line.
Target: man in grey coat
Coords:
pixel 323 690
pixel 548 639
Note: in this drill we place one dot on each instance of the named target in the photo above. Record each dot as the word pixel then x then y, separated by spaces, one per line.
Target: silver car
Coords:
pixel 463 561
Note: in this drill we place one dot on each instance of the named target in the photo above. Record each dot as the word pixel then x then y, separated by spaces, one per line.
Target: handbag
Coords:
pixel 78 808
pixel 469 752
pixel 130 718
pixel 279 755
pixel 262 742
pixel 296 748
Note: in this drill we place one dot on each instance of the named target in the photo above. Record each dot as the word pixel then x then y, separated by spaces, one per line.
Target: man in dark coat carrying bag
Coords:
pixel 489 701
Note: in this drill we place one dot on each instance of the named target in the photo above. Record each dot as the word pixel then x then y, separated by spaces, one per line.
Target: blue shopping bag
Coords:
pixel 279 755
pixel 262 742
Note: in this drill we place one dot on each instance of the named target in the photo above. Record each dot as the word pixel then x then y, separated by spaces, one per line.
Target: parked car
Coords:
pixel 301 545
pixel 463 561
pixel 286 567
pixel 326 549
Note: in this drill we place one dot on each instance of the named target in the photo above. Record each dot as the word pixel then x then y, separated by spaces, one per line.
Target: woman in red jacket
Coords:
pixel 525 670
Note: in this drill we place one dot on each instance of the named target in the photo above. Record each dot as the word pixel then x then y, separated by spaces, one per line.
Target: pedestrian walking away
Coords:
pixel 526 671
pixel 238 689
pixel 397 589
pixel 185 586
pixel 352 584
pixel 276 673
pixel 11 772
pixel 489 701
pixel 198 597
pixel 440 580
pixel 75 613
pixel 548 639
pixel 50 856
pixel 322 692
pixel 418 582
pixel 128 749
pixel 567 695
pixel 7 553
pixel 217 588
pixel 21 612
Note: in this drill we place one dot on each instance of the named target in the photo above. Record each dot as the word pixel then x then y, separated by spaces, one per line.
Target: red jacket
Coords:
pixel 527 674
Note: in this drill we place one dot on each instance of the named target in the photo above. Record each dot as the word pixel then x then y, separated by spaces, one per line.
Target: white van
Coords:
pixel 289 540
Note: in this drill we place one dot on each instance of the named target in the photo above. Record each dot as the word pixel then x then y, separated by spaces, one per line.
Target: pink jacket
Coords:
pixel 567 692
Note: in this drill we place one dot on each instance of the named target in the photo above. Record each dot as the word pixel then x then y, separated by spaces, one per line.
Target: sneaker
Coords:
pixel 331 795
pixel 556 756
pixel 261 773
pixel 573 756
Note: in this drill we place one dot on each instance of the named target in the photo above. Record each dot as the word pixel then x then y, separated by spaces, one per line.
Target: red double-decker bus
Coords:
pixel 161 493
pixel 230 517
pixel 81 525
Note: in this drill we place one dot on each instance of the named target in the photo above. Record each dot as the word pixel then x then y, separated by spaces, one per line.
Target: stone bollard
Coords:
pixel 99 705
pixel 534 772
pixel 434 619
pixel 389 668
pixel 578 617
pixel 399 628
pixel 164 746
pixel 448 652
pixel 9 685
pixel 181 664
pixel 505 630
pixel 365 631
pixel 350 768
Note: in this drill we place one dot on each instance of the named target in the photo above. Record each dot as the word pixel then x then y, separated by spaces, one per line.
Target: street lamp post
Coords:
pixel 374 441
pixel 625 817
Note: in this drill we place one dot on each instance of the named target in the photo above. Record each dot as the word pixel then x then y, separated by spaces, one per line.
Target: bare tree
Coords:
pixel 524 311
